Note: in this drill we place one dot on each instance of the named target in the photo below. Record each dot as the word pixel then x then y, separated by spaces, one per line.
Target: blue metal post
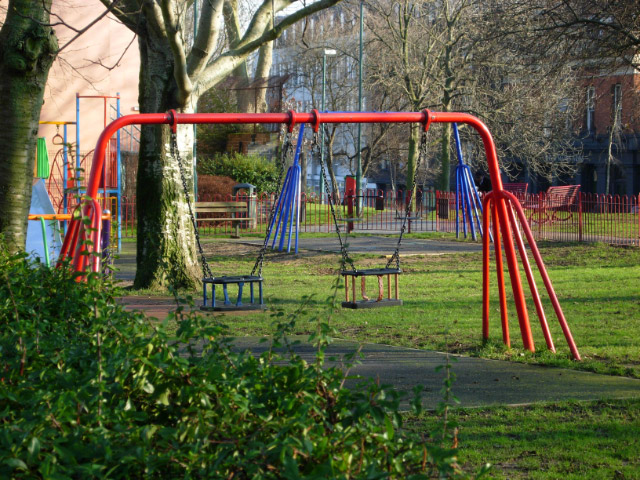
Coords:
pixel 77 138
pixel 119 167
pixel 298 199
pixel 287 207
pixel 295 204
pixel 280 207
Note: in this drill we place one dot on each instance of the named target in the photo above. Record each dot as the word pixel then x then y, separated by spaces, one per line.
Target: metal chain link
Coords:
pixel 346 260
pixel 422 152
pixel 286 151
pixel 175 152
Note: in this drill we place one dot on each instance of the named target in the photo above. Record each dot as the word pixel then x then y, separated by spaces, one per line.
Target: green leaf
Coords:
pixel 16 463
pixel 148 387
pixel 164 398
pixel 389 427
pixel 34 446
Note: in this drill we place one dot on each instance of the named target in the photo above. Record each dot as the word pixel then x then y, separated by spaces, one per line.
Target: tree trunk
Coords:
pixel 27 50
pixel 165 239
pixel 262 73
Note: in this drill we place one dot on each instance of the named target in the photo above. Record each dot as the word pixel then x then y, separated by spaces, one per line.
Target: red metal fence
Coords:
pixel 610 219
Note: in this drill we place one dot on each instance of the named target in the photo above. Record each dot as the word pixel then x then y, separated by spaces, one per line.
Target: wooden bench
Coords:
pixel 556 200
pixel 239 210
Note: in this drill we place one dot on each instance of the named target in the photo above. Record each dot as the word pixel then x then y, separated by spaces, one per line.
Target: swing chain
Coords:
pixel 175 152
pixel 286 151
pixel 422 152
pixel 346 260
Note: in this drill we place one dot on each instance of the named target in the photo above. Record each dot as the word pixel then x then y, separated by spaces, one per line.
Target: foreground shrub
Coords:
pixel 243 169
pixel 89 390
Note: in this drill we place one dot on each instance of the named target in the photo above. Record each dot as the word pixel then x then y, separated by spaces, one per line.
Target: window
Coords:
pixel 617 104
pixel 591 108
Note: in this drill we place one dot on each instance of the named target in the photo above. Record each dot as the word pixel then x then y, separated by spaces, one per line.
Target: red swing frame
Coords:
pixel 497 203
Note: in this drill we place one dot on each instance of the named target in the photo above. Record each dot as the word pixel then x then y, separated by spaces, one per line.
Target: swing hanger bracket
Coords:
pixel 292 120
pixel 426 123
pixel 316 120
pixel 173 120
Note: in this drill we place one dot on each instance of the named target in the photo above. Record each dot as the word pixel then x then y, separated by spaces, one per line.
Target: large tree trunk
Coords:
pixel 27 50
pixel 265 60
pixel 165 237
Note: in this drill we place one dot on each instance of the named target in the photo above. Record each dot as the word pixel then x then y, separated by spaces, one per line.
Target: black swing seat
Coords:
pixel 366 302
pixel 227 305
pixel 371 272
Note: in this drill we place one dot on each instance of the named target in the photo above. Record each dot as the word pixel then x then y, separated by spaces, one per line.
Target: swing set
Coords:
pixel 500 205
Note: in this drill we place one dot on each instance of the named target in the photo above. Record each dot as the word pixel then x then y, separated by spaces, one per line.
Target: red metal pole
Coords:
pixel 580 216
pixel 502 295
pixel 485 264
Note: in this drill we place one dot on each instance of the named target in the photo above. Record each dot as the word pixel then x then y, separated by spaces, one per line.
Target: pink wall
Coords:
pixel 78 70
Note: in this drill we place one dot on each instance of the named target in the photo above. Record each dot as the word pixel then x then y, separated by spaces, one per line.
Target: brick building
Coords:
pixel 610 128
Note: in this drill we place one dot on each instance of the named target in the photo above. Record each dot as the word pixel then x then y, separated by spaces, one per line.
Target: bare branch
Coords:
pixel 207 38
pixel 172 29
pixel 115 65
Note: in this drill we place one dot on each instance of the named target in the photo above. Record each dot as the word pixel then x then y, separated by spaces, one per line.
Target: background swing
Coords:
pixel 392 269
pixel 254 279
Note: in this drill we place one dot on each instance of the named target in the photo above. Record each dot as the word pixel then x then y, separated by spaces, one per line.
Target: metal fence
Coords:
pixel 612 219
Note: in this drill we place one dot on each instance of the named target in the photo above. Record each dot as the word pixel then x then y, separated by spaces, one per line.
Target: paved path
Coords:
pixel 383 245
pixel 479 382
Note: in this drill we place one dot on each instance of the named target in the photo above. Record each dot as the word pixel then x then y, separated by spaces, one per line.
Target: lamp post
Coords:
pixel 359 166
pixel 326 52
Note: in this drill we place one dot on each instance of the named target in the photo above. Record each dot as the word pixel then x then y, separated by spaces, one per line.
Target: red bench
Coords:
pixel 518 189
pixel 556 200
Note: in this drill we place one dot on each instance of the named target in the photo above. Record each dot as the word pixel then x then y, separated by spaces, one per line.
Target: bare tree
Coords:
pixel 454 56
pixel 174 73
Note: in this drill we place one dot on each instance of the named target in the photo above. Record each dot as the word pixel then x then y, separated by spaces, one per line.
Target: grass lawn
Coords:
pixel 569 440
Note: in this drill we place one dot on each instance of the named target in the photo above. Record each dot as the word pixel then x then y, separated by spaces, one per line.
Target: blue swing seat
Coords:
pixel 227 305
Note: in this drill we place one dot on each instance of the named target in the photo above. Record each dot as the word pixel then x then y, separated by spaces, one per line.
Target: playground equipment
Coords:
pixel 467 196
pixel 287 210
pixel 62 174
pixel 347 267
pixel 496 203
pixel 111 179
pixel 207 276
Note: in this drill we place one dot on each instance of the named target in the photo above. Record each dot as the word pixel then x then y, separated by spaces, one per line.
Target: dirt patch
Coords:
pixel 230 249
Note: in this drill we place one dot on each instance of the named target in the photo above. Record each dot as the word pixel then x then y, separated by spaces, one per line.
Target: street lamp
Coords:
pixel 326 52
pixel 359 165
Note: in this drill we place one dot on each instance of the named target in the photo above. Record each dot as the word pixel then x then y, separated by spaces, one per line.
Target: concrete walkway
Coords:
pixel 479 382
pixel 382 245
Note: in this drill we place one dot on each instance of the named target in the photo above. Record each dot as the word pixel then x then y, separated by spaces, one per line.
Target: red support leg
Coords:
pixel 504 318
pixel 485 265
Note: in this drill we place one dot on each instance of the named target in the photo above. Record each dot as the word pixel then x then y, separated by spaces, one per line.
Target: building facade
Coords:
pixel 609 133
